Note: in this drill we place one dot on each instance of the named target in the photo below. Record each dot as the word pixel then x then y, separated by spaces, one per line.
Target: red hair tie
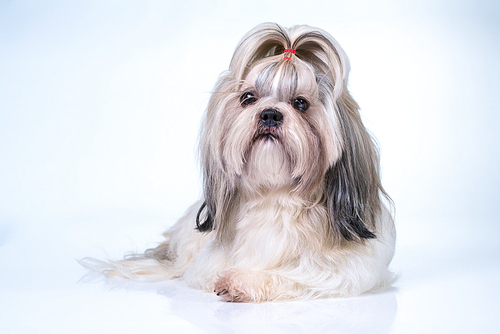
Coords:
pixel 288 51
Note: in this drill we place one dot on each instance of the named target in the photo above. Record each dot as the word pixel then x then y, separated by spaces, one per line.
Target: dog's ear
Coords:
pixel 352 184
pixel 219 179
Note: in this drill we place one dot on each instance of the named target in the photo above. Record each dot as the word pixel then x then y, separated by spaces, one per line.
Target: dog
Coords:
pixel 293 205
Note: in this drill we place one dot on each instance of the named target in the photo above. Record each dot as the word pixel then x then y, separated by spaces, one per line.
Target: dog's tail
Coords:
pixel 139 267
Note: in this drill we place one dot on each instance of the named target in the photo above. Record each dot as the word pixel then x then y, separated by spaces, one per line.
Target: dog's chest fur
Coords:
pixel 274 230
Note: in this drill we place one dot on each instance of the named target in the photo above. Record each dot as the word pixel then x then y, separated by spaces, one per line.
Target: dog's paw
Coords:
pixel 232 287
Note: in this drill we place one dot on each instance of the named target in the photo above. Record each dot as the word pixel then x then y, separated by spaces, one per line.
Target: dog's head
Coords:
pixel 282 118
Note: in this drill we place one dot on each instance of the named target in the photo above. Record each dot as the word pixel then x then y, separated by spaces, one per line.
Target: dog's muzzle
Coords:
pixel 270 121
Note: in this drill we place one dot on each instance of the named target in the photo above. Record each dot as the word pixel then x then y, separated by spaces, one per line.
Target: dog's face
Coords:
pixel 286 121
pixel 276 130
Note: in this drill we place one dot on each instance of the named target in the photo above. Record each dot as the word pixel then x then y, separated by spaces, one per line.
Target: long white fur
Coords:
pixel 274 246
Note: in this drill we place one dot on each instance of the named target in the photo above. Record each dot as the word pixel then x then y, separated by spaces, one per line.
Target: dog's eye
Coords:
pixel 300 104
pixel 247 98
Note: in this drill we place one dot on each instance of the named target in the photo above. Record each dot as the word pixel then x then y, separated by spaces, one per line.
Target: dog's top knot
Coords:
pixel 288 51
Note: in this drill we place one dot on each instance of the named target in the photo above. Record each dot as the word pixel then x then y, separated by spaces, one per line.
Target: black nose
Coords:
pixel 271 117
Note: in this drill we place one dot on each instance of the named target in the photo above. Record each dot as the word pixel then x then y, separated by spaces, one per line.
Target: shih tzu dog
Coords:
pixel 293 206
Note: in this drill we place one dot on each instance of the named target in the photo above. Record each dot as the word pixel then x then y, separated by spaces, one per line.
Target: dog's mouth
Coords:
pixel 267 133
pixel 265 136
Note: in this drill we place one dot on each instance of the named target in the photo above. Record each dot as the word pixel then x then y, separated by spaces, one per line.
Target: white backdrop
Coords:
pixel 100 106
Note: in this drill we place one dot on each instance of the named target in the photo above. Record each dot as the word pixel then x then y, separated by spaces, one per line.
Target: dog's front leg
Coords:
pixel 237 285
